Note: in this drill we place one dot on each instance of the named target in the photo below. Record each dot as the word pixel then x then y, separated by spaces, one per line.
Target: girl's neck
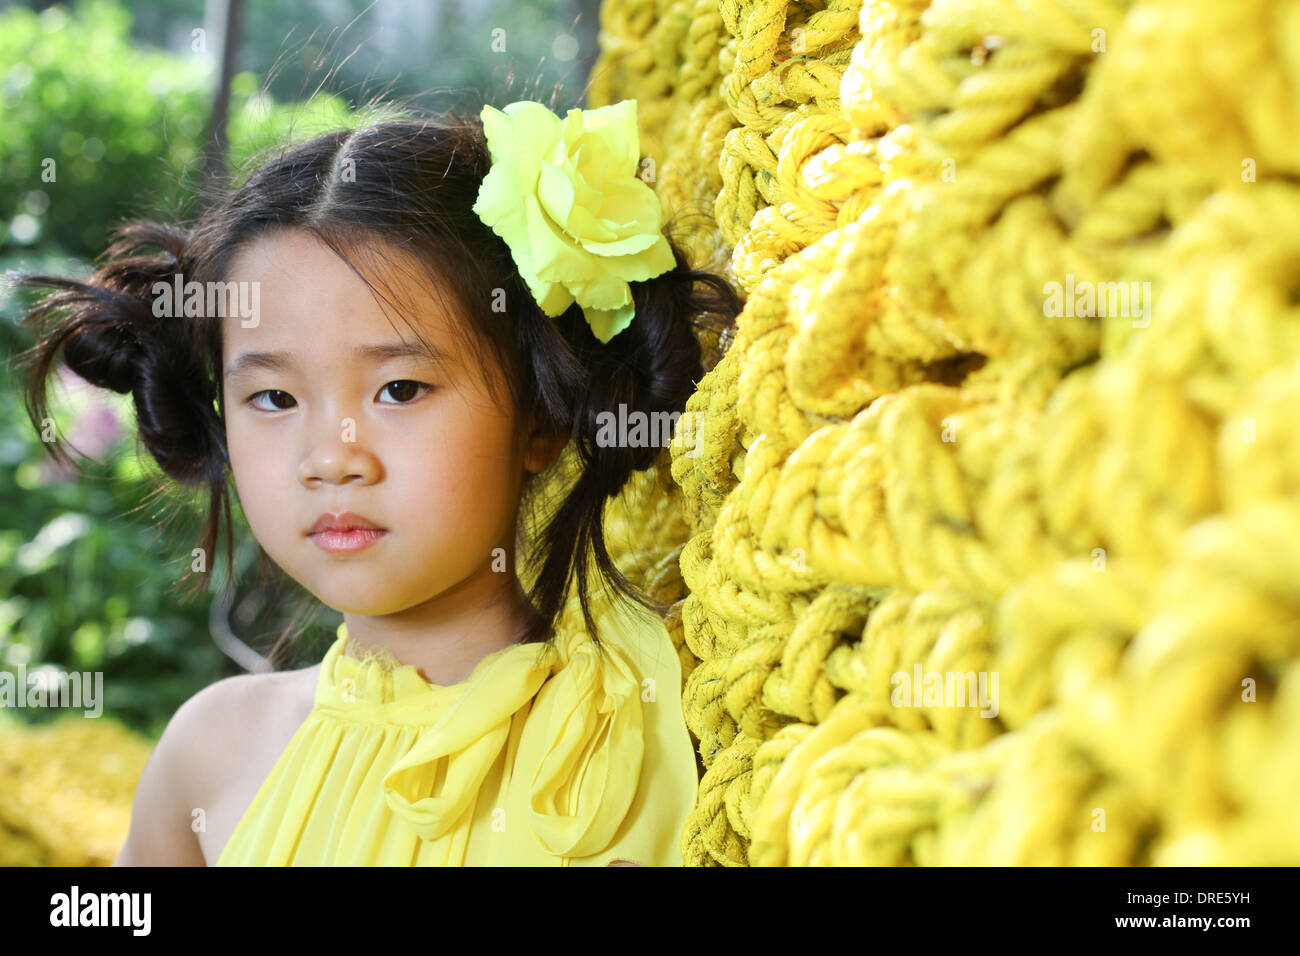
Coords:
pixel 445 637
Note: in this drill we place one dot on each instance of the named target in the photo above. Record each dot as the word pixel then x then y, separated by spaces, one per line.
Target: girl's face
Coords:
pixel 325 414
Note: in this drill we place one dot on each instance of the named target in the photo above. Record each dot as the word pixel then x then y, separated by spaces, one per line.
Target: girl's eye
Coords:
pixel 252 399
pixel 404 390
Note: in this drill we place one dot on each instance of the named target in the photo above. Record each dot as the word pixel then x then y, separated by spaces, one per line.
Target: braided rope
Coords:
pixel 906 464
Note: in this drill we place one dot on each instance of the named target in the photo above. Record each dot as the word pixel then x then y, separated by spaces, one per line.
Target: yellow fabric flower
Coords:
pixel 565 197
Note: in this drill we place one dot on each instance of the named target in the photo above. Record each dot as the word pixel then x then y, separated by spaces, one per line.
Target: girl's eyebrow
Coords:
pixel 280 361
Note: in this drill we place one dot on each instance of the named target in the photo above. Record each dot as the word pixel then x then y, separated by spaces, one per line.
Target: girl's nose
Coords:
pixel 337 457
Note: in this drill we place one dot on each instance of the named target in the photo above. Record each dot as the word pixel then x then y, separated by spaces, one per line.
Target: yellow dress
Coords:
pixel 546 755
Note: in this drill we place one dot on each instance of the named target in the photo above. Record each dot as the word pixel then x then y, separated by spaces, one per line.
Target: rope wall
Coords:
pixel 914 464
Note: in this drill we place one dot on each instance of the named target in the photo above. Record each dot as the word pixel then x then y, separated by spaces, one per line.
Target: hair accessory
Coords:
pixel 566 198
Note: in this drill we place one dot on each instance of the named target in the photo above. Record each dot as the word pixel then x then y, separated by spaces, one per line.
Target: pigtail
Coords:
pixel 109 335
pixel 651 367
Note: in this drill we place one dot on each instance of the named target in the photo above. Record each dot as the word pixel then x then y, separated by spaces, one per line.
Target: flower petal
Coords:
pixel 556 194
pixel 607 291
pixel 607 323
pixel 555 255
pixel 536 131
pixel 615 124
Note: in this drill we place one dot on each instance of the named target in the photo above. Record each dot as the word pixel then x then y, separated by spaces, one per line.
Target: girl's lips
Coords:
pixel 343 542
pixel 343 521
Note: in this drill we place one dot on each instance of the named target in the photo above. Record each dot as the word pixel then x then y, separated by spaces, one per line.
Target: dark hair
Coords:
pixel 410 185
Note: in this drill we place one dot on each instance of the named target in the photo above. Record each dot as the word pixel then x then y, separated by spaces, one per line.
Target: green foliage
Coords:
pixel 92 124
pixel 96 129
pixel 81 584
pixel 260 126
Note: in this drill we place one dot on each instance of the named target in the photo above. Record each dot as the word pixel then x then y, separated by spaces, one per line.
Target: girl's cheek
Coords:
pixel 237 444
pixel 249 463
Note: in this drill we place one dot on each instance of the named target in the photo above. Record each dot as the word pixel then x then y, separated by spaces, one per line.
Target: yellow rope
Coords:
pixel 907 463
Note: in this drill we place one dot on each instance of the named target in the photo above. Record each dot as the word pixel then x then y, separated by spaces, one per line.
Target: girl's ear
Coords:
pixel 543 448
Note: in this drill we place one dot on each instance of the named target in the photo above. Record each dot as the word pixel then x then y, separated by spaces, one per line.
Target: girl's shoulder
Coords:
pixel 242 724
pixel 226 740
pixel 221 716
pixel 187 801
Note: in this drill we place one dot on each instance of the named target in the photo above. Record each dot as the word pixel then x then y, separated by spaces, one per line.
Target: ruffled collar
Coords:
pixel 585 730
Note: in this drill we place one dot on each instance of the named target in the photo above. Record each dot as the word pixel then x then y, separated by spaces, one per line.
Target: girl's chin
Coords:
pixel 364 598
pixel 362 610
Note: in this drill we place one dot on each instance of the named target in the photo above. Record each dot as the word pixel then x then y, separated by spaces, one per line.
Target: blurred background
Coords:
pixel 113 111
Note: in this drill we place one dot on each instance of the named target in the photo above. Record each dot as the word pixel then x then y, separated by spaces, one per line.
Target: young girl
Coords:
pixel 459 718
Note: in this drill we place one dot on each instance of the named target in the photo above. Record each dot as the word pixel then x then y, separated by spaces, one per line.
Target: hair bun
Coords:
pixel 110 356
pixel 111 337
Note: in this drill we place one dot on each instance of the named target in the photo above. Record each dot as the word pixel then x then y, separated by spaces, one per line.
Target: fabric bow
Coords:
pixel 433 784
pixel 579 755
pixel 588 726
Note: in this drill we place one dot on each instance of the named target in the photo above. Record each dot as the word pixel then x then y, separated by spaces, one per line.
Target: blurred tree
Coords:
pixel 214 140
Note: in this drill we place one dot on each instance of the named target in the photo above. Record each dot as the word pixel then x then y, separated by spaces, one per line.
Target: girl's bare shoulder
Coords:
pixel 241 725
pixel 223 720
pixel 218 746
